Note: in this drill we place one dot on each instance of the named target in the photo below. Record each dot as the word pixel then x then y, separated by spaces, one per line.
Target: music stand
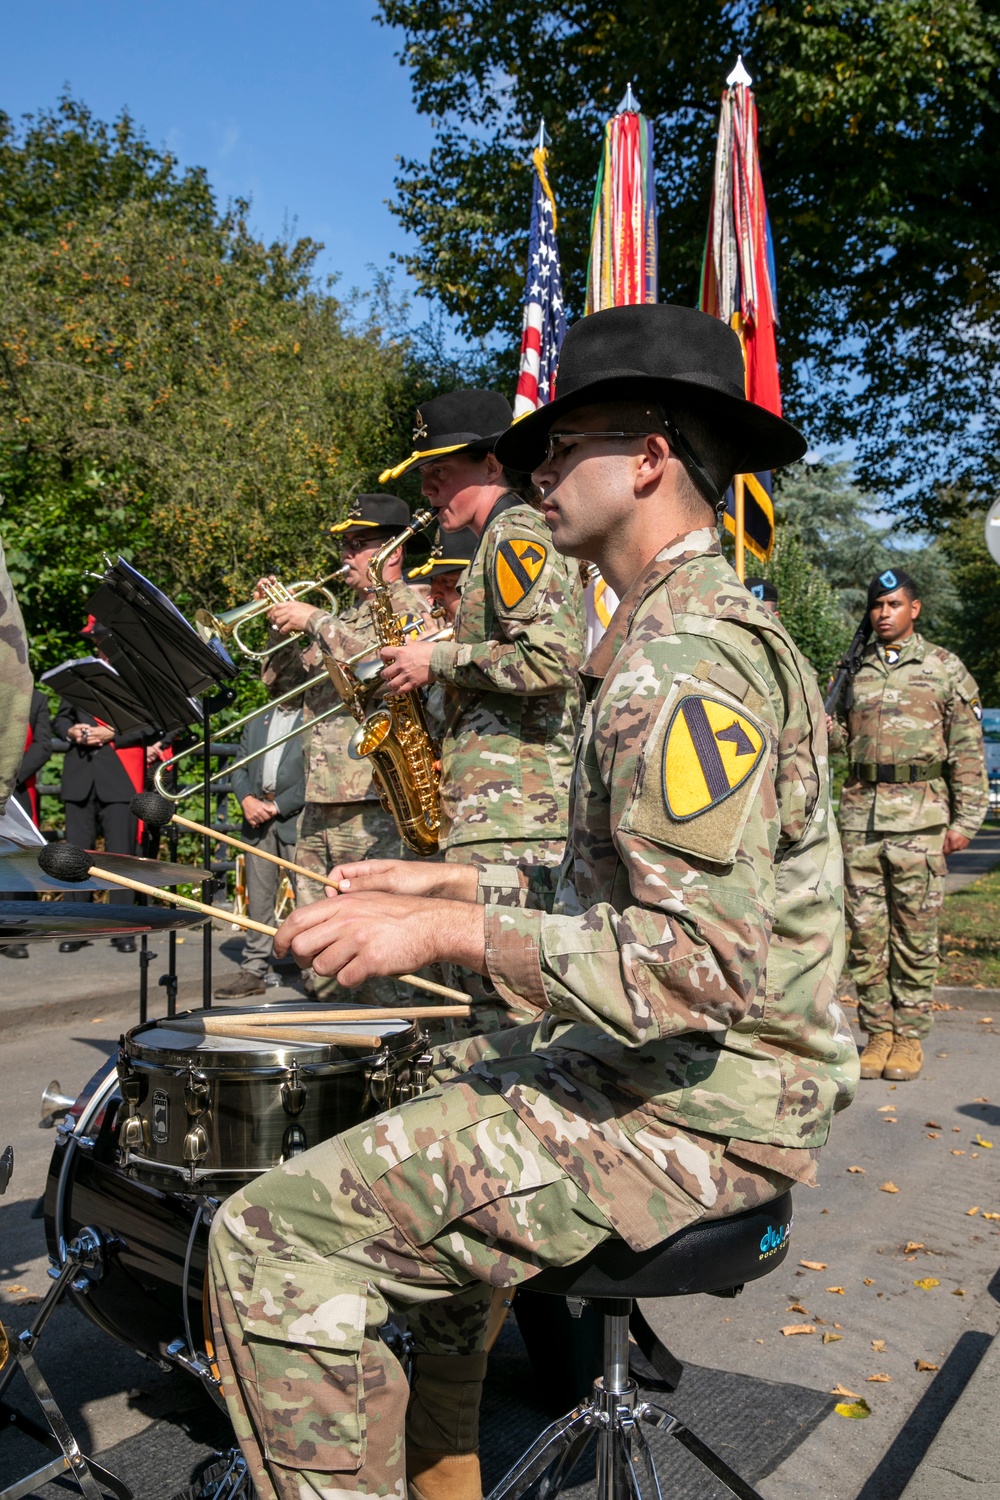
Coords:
pixel 95 686
pixel 167 665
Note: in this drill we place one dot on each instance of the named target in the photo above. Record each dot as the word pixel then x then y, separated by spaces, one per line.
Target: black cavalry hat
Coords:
pixel 454 550
pixel 373 513
pixel 657 352
pixel 462 419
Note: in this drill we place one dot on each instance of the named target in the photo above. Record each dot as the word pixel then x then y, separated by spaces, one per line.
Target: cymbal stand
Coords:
pixel 84 1254
pixel 207 886
pixel 169 979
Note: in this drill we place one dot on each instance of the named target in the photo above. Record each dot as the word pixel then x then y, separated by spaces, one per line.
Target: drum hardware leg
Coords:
pixel 169 983
pixel 145 959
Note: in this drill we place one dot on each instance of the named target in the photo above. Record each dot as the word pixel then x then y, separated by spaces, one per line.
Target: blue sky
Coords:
pixel 302 107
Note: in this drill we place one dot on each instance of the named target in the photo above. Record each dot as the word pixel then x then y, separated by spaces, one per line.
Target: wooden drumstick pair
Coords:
pixel 68 862
pixel 158 811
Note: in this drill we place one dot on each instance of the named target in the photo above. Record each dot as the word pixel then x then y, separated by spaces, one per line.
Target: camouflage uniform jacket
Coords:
pixel 15 685
pixel 912 705
pixel 690 957
pixel 514 700
pixel 331 774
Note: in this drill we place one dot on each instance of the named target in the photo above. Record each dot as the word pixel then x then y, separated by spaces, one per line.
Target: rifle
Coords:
pixel 849 664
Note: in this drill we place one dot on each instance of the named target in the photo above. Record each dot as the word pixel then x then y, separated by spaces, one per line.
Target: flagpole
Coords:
pixel 739 485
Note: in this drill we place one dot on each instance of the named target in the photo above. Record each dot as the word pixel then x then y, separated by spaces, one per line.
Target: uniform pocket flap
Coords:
pixel 295 1302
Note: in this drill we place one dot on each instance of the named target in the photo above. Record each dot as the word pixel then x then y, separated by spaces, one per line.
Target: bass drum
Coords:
pixel 151 1295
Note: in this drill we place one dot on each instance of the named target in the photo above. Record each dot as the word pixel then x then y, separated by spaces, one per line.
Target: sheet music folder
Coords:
pixel 164 659
pixel 94 686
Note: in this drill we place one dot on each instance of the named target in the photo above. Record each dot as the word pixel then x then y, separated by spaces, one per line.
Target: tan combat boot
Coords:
pixel 876 1054
pixel 905 1060
pixel 442 1476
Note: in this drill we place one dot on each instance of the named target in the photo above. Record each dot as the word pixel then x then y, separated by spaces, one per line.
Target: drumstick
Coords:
pixel 257 1021
pixel 157 811
pixel 68 862
pixel 235 1027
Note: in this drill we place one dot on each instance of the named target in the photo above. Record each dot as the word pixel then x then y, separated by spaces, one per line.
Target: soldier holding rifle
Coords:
pixel 688 1051
pixel 911 723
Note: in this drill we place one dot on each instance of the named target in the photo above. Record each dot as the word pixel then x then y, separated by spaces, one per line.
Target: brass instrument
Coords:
pixel 227 625
pixel 395 736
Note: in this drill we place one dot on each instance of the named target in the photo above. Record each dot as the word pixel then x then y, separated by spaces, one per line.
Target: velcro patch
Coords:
pixel 709 751
pixel 519 562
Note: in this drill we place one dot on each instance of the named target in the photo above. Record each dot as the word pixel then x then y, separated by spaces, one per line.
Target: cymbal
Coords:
pixel 32 921
pixel 19 872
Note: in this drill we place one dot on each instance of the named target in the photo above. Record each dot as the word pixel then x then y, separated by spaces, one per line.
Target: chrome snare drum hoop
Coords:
pixel 206 1113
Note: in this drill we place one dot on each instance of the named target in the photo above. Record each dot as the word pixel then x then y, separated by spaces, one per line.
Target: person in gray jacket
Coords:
pixel 271 791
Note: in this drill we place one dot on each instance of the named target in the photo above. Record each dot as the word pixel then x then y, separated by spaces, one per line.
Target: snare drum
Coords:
pixel 207 1113
pixel 150 1296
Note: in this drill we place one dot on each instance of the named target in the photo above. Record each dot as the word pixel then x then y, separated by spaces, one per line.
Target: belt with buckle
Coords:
pixel 880 773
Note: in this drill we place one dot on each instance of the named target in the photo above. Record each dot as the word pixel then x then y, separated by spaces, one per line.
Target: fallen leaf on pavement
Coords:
pixel 857 1169
pixel 28 1301
pixel 791 1328
pixel 14 1288
pixel 858 1410
pixel 990 1216
pixel 813 1265
pixel 869 1281
pixel 958 1292
pixel 932 1125
pixel 970 1211
pixel 878 1345
pixel 838 1289
pixel 841 1390
pixel 958 1153
pixel 879 1379
pixel 886 1109
pixel 980 1099
pixel 927 1283
pixel 985 1021
pixel 797 1307
pixel 925 1364
pixel 888 1187
pixel 912 1245
pixel 933 1135
pixel 831 1338
pixel 981 1142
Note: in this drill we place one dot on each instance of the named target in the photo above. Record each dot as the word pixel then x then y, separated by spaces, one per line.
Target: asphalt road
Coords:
pixel 858 1231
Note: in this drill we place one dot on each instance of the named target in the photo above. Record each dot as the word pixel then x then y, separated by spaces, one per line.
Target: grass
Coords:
pixel 970 935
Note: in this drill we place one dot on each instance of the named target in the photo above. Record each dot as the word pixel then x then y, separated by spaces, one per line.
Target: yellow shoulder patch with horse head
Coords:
pixel 710 751
pixel 519 562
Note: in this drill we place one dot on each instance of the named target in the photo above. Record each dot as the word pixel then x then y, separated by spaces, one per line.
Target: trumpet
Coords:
pixel 227 625
pixel 367 672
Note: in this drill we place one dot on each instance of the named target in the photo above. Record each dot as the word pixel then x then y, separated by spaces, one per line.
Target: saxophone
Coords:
pixel 394 736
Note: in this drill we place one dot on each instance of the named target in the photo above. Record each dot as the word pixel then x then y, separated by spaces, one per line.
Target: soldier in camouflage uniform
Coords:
pixel 916 791
pixel 512 701
pixel 688 1051
pixel 343 817
pixel 15 685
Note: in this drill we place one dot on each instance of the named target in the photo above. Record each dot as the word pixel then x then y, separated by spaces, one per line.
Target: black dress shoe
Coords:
pixel 73 944
pixel 124 944
pixel 15 950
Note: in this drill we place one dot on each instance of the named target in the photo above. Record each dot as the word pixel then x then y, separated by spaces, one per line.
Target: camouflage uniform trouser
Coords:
pixel 894 889
pixel 489 1013
pixel 332 833
pixel 424 1210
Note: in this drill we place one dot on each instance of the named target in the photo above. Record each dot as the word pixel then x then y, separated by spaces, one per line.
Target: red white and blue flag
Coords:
pixel 544 325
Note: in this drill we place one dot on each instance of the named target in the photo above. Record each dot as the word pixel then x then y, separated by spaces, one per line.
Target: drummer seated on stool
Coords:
pixel 271 791
pixel 688 1052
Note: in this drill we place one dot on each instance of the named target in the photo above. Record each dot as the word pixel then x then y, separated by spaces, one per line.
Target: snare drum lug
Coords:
pixel 381 1081
pixel 196 1094
pixel 134 1134
pixel 195 1147
pixel 293 1094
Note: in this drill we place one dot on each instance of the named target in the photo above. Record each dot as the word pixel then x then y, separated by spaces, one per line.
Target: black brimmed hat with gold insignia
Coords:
pixel 454 550
pixel 663 353
pixel 448 424
pixel 373 513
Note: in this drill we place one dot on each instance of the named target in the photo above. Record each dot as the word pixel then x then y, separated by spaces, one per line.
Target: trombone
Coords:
pixel 227 625
pixel 367 670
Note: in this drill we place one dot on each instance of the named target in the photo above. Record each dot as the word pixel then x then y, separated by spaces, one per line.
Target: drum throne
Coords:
pixel 717 1256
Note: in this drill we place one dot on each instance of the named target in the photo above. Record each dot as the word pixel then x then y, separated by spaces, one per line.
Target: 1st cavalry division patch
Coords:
pixel 519 562
pixel 710 751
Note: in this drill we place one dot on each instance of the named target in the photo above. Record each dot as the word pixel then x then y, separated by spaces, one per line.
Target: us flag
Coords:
pixel 544 315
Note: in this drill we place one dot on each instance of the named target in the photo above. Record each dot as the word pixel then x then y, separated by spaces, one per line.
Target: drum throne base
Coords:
pixel 717 1257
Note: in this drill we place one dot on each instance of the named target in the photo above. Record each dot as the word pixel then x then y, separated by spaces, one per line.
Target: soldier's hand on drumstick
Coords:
pixel 406 877
pixel 407 667
pixel 360 934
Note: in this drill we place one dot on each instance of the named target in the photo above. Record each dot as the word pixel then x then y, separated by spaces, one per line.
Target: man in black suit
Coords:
pixel 37 750
pixel 271 791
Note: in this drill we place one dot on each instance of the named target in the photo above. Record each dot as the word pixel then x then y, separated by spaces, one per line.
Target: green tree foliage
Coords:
pixel 169 386
pixel 879 138
pixel 810 608
pixel 973 623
